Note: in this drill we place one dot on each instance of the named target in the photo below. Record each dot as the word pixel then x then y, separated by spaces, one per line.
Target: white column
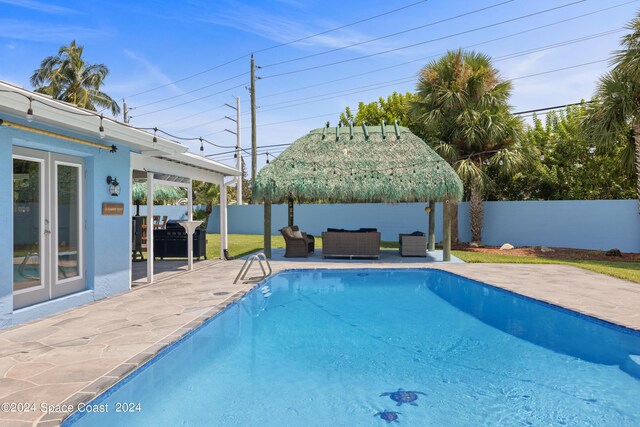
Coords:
pixel 189 218
pixel 223 218
pixel 150 256
pixel 130 225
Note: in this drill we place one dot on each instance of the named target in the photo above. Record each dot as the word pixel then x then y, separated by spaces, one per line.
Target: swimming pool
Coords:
pixel 333 348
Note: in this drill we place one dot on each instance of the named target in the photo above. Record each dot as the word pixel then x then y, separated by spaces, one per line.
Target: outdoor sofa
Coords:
pixel 362 243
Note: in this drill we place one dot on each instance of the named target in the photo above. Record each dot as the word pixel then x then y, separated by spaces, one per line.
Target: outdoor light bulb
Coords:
pixel 30 114
pixel 500 162
pixel 542 157
pixel 592 149
pixel 101 132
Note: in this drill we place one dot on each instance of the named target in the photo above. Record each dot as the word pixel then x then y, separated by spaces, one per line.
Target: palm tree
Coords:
pixel 614 116
pixel 67 77
pixel 205 193
pixel 462 103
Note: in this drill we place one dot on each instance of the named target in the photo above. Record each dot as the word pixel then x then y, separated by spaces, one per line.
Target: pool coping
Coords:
pixel 194 326
pixel 132 373
pixel 127 370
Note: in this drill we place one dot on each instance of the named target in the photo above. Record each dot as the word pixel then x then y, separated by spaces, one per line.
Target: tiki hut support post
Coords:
pixel 267 228
pixel 446 230
pixel 432 226
pixel 290 211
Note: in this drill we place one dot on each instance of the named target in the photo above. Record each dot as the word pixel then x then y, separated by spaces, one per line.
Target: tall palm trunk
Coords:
pixel 636 141
pixel 476 213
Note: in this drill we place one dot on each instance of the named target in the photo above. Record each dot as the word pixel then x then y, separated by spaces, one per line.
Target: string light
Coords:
pixel 201 145
pixel 592 149
pixel 101 129
pixel 267 158
pixel 30 111
pixel 155 138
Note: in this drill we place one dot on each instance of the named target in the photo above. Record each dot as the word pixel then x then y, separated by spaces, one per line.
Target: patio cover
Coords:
pixel 359 164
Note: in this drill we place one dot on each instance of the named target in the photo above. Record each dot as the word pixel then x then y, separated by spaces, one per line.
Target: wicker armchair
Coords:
pixel 297 247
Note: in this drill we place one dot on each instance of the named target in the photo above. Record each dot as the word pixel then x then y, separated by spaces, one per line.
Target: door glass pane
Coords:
pixel 68 221
pixel 27 268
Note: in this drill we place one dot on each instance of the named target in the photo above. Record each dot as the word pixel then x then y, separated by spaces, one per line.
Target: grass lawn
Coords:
pixel 242 244
pixel 621 269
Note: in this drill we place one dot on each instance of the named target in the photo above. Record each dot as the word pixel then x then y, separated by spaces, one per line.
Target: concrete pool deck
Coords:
pixel 73 356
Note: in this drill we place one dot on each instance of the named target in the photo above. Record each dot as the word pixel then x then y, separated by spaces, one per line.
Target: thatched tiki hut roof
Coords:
pixel 359 164
pixel 387 164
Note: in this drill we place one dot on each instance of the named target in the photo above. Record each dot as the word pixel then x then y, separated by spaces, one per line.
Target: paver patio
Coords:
pixel 73 356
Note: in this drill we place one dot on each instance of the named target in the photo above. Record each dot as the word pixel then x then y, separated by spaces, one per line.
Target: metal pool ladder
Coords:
pixel 260 256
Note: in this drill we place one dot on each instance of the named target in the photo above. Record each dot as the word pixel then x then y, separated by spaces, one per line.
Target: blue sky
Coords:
pixel 149 44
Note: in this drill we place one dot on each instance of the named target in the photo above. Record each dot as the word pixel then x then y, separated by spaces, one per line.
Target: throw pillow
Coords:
pixel 297 234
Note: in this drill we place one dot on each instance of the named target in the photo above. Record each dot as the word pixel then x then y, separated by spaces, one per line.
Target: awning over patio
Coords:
pixel 179 170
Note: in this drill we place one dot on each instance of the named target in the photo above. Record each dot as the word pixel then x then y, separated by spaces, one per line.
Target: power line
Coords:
pixel 340 92
pixel 524 113
pixel 219 119
pixel 193 115
pixel 476 44
pixel 388 35
pixel 537 110
pixel 423 42
pixel 560 69
pixel 412 78
pixel 497 59
pixel 189 102
pixel 279 45
pixel 465 47
pixel 192 91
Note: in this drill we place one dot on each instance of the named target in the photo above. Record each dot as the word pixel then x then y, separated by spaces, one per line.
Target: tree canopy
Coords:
pixel 615 111
pixel 67 77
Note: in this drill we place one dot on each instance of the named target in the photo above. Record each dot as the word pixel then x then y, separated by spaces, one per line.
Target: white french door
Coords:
pixel 48 226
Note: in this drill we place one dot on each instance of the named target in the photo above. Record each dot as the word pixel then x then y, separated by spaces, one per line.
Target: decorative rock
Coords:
pixel 546 249
pixel 506 247
pixel 614 252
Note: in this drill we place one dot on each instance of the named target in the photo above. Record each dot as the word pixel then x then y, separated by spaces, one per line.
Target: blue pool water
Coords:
pixel 326 347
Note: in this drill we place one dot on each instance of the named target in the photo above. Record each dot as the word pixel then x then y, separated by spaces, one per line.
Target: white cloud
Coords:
pixel 22 30
pixel 154 71
pixel 283 29
pixel 41 7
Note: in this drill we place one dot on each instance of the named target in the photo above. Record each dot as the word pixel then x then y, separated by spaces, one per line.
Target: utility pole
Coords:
pixel 125 111
pixel 238 154
pixel 252 90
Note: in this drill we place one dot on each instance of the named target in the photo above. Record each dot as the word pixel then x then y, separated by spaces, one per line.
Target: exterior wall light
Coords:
pixel 30 111
pixel 114 185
